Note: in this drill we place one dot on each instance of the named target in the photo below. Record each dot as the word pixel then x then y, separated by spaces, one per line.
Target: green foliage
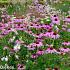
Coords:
pixel 50 60
pixel 26 37
pixel 65 36
pixel 64 6
pixel 23 52
pixel 1 51
pixel 5 40
pixel 18 8
pixel 4 1
pixel 29 65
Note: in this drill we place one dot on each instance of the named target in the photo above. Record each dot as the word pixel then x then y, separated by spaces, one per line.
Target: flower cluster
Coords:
pixel 26 38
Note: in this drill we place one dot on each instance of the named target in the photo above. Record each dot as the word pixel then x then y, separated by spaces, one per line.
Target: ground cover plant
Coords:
pixel 35 36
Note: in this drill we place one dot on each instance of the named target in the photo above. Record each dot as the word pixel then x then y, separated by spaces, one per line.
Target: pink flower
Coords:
pixel 65 50
pixel 66 43
pixel 52 35
pixel 55 20
pixel 68 30
pixel 50 50
pixel 39 44
pixel 18 41
pixel 30 32
pixel 34 56
pixel 20 67
pixel 5 32
pixel 40 35
pixel 48 34
pixel 67 19
pixel 39 39
pixel 31 46
pixel 40 52
pixel 20 28
pixel 55 36
pixel 54 16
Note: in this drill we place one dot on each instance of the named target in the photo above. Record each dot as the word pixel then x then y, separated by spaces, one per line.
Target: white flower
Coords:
pixel 17 47
pixel 16 56
pixel 4 58
pixel 12 39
